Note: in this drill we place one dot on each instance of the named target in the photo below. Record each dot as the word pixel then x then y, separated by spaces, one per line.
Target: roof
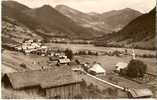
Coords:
pixel 97 68
pixel 136 93
pixel 121 65
pixel 44 78
pixel 64 61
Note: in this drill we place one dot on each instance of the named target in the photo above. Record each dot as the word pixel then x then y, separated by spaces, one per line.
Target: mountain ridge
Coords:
pixel 138 33
pixel 45 20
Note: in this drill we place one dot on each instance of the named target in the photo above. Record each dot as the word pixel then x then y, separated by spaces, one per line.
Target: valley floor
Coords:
pixel 12 60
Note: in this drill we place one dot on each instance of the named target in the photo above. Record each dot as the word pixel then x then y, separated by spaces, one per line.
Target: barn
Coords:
pixel 66 88
pixel 50 83
pixel 97 69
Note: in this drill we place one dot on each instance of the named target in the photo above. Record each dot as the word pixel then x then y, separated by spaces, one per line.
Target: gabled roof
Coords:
pixel 97 68
pixel 136 93
pixel 44 78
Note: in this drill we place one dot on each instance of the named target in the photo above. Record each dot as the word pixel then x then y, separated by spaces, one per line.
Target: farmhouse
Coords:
pixel 97 69
pixel 52 83
pixel 120 65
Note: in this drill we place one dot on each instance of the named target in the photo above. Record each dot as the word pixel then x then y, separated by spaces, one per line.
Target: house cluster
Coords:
pixel 31 46
pixel 60 59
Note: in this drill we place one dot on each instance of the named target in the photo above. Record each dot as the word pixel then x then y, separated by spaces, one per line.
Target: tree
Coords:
pixel 136 68
pixel 77 61
pixel 69 54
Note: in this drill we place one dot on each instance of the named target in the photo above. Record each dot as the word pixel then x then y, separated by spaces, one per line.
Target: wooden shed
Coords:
pixel 66 88
pixel 50 83
pixel 140 93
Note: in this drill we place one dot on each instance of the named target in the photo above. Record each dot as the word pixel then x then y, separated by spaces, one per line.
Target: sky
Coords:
pixel 98 6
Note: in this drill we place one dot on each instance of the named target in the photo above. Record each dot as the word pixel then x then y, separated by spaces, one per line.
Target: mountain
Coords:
pixel 139 33
pixel 83 19
pixel 117 19
pixel 45 21
pixel 106 22
pixel 73 14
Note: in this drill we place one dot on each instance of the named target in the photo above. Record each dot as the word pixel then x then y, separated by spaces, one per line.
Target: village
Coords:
pixel 37 70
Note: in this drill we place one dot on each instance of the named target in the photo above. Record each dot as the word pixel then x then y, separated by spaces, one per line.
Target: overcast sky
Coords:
pixel 95 5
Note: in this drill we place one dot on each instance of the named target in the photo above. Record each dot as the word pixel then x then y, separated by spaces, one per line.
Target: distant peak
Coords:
pixel 93 13
pixel 62 7
pixel 46 6
pixel 128 9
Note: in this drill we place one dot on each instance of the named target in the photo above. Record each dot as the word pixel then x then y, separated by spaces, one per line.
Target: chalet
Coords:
pixel 50 83
pixel 97 69
pixel 63 61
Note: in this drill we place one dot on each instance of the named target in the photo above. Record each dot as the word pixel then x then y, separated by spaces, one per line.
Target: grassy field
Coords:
pixel 76 47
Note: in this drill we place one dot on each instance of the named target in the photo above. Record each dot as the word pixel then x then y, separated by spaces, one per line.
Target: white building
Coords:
pixel 97 69
pixel 121 65
pixel 63 61
pixel 133 54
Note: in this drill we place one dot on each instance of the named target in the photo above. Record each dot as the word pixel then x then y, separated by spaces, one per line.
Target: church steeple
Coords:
pixel 133 54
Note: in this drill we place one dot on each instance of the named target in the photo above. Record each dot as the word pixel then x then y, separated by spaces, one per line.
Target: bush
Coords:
pixel 116 53
pixel 23 65
pixel 82 53
pixel 136 68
